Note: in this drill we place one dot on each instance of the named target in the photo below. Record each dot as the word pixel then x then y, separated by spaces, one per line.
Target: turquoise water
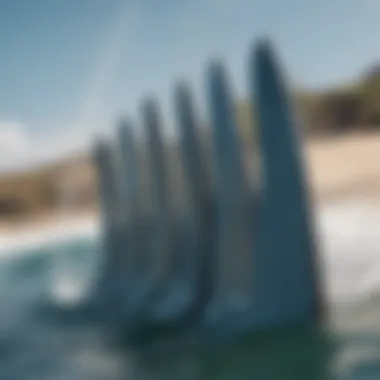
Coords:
pixel 41 340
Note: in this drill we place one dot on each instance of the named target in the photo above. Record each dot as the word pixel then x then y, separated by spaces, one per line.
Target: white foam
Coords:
pixel 349 240
pixel 67 291
pixel 350 247
pixel 22 243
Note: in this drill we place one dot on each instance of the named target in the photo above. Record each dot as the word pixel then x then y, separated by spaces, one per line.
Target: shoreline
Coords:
pixel 343 169
pixel 343 230
pixel 47 230
pixel 30 236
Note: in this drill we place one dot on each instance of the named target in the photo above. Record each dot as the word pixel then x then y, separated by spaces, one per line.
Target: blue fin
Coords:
pixel 109 194
pixel 131 194
pixel 285 273
pixel 199 249
pixel 160 238
pixel 232 194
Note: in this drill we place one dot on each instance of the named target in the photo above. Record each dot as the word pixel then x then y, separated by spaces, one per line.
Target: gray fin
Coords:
pixel 285 273
pixel 203 213
pixel 131 193
pixel 106 175
pixel 109 193
pixel 231 190
pixel 161 218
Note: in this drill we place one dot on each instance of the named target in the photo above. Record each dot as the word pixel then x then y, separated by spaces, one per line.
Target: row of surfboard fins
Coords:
pixel 241 256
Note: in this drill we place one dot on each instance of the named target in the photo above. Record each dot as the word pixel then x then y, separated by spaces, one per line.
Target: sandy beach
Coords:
pixel 341 169
pixel 345 167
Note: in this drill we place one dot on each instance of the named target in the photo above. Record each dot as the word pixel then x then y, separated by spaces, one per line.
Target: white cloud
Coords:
pixel 20 150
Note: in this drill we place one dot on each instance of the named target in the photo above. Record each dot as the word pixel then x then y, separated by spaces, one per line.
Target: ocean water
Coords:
pixel 46 276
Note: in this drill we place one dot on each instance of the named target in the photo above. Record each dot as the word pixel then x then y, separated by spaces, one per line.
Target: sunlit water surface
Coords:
pixel 41 342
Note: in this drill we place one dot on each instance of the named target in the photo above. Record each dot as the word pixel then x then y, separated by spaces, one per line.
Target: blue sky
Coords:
pixel 69 67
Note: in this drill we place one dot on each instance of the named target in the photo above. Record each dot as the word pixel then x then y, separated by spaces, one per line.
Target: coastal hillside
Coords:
pixel 39 192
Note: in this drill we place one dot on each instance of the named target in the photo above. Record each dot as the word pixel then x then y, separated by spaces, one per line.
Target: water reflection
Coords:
pixel 57 346
pixel 286 354
pixel 41 343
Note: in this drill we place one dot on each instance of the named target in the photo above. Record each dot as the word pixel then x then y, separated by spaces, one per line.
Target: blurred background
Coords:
pixel 71 68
